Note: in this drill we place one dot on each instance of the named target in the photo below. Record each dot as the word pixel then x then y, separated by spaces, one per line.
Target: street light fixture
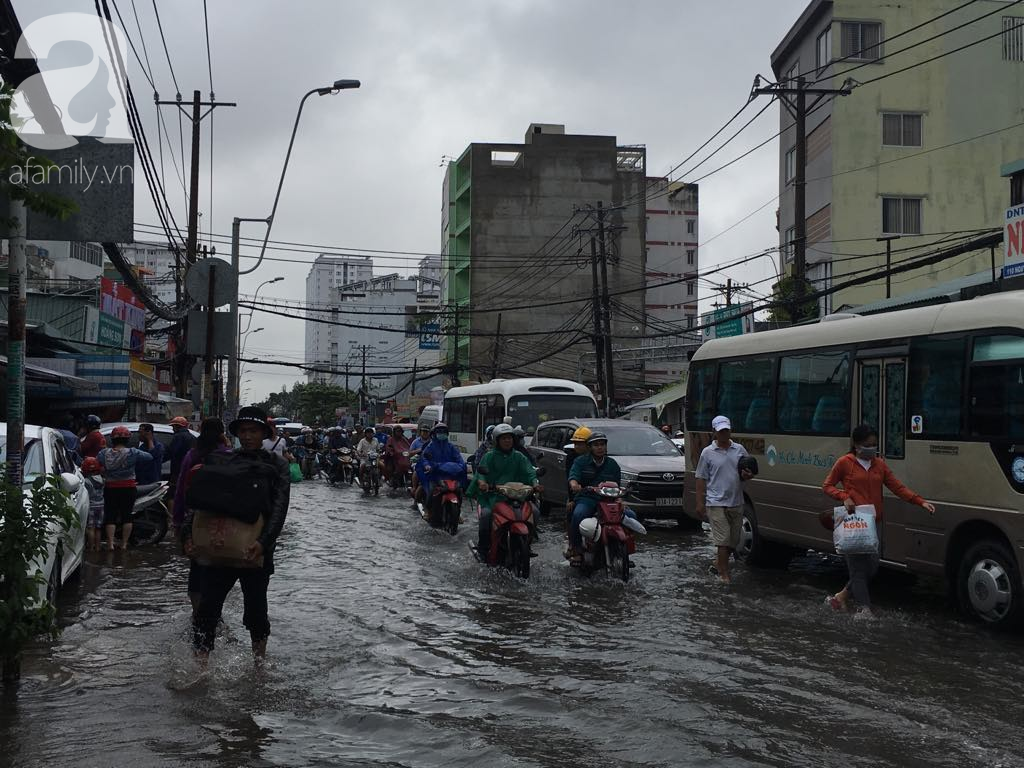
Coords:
pixel 255 297
pixel 236 225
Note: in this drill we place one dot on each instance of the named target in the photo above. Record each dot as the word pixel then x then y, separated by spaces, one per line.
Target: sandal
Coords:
pixel 835 603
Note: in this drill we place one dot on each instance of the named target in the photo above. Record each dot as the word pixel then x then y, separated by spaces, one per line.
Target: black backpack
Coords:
pixel 233 485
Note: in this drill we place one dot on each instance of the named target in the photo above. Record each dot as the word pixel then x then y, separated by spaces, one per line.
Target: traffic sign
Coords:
pixel 728 321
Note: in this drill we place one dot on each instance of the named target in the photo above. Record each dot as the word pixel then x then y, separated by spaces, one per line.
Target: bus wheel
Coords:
pixel 988 584
pixel 755 550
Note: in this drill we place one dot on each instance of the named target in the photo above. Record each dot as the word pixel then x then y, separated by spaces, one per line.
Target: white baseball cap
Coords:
pixel 720 422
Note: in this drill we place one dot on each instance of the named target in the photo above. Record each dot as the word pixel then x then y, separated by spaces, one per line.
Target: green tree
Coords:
pixel 24 530
pixel 316 402
pixel 785 291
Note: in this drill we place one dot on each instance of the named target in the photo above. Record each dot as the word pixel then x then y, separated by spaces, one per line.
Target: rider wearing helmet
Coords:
pixel 438 451
pixel 588 472
pixel 118 464
pixel 519 435
pixel 397 445
pixel 93 442
pixel 485 445
pixel 504 464
pixel 366 446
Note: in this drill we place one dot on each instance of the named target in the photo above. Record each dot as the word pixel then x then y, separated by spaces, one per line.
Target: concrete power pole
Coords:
pixel 598 336
pixel 16 310
pixel 607 308
pixel 794 99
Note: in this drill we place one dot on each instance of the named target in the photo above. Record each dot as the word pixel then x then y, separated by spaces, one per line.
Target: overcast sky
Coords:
pixel 366 169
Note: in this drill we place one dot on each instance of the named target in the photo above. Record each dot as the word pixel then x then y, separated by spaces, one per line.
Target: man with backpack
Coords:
pixel 237 504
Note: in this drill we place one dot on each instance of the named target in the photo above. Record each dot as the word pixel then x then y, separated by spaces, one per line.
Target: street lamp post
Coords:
pixel 255 298
pixel 335 87
pixel 242 353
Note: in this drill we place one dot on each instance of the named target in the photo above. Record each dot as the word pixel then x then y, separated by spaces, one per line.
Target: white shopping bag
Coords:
pixel 855 533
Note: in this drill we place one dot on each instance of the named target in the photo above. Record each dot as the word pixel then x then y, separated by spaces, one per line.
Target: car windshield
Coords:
pixel 643 441
pixel 528 411
pixel 32 461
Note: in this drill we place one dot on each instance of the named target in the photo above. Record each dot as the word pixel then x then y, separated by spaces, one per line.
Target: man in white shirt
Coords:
pixel 276 442
pixel 367 445
pixel 720 492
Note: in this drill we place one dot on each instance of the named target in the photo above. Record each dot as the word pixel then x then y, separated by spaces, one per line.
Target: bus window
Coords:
pixel 814 393
pixel 460 414
pixel 936 385
pixel 745 392
pixel 530 410
pixel 997 387
pixel 895 410
pixel 700 399
pixel 492 410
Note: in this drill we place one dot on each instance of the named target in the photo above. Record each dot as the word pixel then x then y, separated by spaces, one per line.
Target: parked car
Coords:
pixel 652 467
pixel 162 433
pixel 45 454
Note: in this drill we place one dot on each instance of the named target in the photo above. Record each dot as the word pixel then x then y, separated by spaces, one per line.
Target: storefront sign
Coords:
pixel 1013 241
pixel 120 302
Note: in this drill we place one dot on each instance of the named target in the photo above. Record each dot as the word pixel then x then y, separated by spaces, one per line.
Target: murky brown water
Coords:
pixel 392 647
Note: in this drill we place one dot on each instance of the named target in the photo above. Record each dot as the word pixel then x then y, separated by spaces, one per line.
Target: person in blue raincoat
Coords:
pixel 437 452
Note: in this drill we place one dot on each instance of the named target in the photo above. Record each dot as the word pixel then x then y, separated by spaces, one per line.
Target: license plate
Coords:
pixel 673 501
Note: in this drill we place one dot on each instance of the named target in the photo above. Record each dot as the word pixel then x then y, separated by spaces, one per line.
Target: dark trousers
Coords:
pixel 215 583
pixel 484 531
pixel 862 569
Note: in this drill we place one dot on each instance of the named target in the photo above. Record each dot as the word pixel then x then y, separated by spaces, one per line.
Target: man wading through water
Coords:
pixel 251 485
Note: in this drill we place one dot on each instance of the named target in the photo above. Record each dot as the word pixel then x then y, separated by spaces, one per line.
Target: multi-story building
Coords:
pixel 156 264
pixel 69 262
pixel 915 155
pixel 672 268
pixel 326 275
pixel 510 229
pixel 429 275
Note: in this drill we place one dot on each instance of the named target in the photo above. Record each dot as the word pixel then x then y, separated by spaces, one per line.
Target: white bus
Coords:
pixel 468 411
pixel 944 387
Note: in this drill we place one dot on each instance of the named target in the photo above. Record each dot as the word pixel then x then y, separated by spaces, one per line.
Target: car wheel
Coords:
pixel 757 551
pixel 989 586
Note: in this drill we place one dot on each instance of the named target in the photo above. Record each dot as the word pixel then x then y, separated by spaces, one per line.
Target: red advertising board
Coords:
pixel 121 302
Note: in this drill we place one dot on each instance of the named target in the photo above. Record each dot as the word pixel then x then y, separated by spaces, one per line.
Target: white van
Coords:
pixel 430 416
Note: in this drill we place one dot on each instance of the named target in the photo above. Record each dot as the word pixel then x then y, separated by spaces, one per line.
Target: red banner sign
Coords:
pixel 121 302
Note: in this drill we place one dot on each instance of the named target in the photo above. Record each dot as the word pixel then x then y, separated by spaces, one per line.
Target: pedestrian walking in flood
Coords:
pixel 720 492
pixel 857 479
pixel 119 463
pixel 236 507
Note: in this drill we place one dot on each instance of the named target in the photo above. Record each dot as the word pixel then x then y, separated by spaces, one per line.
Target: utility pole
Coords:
pixel 794 99
pixel 16 309
pixel 191 249
pixel 346 378
pixel 412 384
pixel 598 340
pixel 497 347
pixel 888 262
pixel 606 303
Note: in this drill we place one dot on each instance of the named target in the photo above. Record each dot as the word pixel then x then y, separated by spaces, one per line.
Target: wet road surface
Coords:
pixel 391 646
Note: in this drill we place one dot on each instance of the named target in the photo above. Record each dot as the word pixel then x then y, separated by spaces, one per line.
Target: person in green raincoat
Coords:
pixel 502 464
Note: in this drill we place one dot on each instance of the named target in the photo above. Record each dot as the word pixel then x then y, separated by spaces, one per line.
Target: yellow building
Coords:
pixel 916 153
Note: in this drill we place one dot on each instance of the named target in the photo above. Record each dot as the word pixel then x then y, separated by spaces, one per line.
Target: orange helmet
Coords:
pixel 120 431
pixel 91 466
pixel 178 421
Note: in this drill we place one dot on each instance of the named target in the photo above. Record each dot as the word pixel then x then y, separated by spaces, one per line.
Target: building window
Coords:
pixel 792 73
pixel 690 225
pixel 790 165
pixel 901 129
pixel 690 321
pixel 689 288
pixel 901 215
pixel 690 257
pixel 861 40
pixel 1013 38
pixel 787 244
pixel 824 48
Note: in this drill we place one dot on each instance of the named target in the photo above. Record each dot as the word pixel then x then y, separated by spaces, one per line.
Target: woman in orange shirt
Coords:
pixel 861 473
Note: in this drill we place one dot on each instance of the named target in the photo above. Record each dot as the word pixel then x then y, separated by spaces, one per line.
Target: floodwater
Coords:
pixel 391 646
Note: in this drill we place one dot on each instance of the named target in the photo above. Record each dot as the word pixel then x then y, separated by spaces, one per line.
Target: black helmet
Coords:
pixel 92 421
pixel 597 437
pixel 519 432
pixel 439 427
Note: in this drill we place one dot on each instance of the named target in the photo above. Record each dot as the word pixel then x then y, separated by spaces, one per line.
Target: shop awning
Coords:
pixel 659 401
pixel 38 373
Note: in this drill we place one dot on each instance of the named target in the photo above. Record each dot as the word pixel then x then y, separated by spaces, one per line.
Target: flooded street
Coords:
pixel 391 646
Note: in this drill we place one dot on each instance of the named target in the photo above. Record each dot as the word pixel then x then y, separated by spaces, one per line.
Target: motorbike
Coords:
pixel 513 527
pixel 401 473
pixel 371 474
pixel 347 465
pixel 444 507
pixel 608 538
pixel 149 515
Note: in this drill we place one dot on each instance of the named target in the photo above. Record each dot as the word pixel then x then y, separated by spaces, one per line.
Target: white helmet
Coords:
pixel 501 429
pixel 590 529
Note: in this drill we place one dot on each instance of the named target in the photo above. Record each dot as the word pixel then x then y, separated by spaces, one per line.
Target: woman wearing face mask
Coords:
pixel 862 474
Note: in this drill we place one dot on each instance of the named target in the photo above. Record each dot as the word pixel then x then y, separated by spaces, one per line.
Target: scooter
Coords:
pixel 513 527
pixel 346 464
pixel 401 473
pixel 608 538
pixel 149 515
pixel 371 483
pixel 444 507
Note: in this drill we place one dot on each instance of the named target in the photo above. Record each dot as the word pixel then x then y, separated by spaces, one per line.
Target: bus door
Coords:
pixel 882 402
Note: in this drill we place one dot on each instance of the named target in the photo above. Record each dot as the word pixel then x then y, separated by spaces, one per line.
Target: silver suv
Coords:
pixel 652 466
